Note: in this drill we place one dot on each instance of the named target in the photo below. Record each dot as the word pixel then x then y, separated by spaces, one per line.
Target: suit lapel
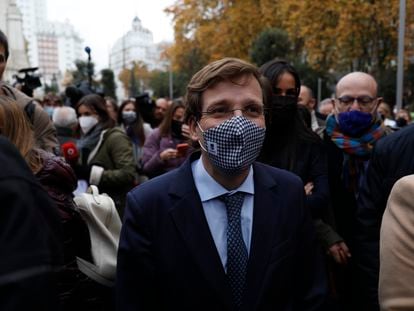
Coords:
pixel 265 221
pixel 188 215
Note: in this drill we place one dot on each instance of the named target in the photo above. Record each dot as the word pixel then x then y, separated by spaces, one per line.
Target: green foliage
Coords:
pixel 81 72
pixel 133 84
pixel 387 85
pixel 159 83
pixel 309 77
pixel 52 88
pixel 108 82
pixel 269 44
pixel 135 80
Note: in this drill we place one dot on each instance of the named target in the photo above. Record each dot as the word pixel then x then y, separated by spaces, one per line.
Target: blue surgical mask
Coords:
pixel 49 110
pixel 354 123
pixel 234 144
pixel 129 117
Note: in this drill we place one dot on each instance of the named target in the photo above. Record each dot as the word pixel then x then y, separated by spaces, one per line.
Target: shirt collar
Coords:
pixel 209 189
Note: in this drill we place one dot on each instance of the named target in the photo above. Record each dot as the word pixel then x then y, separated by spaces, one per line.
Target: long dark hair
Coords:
pixel 165 126
pixel 97 103
pixel 138 125
pixel 282 143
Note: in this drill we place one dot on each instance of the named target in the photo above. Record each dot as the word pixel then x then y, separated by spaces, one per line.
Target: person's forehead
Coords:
pixel 84 108
pixel 356 85
pixel 129 106
pixel 161 102
pixel 226 91
pixel 286 79
pixel 162 105
pixel 304 91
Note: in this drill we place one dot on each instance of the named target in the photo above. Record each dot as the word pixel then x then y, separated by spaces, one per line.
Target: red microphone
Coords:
pixel 70 152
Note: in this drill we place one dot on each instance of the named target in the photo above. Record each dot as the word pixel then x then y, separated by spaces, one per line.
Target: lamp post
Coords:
pixel 400 59
pixel 170 79
pixel 88 51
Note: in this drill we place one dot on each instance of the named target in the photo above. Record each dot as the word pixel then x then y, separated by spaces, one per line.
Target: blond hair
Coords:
pixel 15 126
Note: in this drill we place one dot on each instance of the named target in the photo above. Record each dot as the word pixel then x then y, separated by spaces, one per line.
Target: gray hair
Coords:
pixel 64 117
pixel 324 102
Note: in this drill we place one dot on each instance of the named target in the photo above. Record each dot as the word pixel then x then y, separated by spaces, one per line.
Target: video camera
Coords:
pixel 29 81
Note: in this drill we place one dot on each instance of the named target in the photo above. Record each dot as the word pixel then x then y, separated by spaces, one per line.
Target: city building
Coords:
pixel 137 45
pixel 34 16
pixel 52 46
pixel 59 46
pixel 11 23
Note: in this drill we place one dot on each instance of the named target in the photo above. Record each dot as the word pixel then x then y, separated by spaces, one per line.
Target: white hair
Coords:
pixel 64 117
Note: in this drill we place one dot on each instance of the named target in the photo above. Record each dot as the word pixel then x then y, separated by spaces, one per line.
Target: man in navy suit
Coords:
pixel 221 232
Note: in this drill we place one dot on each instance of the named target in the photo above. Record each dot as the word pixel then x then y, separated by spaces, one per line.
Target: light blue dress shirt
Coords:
pixel 215 210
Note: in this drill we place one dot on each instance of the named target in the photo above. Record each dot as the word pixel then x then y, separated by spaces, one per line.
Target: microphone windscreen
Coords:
pixel 70 152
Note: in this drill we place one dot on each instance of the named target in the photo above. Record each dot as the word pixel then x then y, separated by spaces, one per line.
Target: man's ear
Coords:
pixel 335 103
pixel 379 101
pixel 192 123
pixel 312 103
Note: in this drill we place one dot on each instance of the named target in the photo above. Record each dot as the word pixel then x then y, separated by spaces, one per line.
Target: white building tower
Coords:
pixel 137 45
pixel 12 26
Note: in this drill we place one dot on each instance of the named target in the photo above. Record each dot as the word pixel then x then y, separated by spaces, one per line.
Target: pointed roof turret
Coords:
pixel 136 23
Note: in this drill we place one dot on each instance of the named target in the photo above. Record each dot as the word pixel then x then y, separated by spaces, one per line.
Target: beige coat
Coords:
pixel 44 131
pixel 396 278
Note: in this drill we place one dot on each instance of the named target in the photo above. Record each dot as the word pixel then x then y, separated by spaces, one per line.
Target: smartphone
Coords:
pixel 182 149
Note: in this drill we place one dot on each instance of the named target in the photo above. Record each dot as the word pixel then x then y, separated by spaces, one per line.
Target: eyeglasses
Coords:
pixel 223 113
pixel 363 101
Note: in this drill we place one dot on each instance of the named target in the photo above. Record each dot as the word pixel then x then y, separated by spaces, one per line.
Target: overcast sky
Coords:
pixel 101 22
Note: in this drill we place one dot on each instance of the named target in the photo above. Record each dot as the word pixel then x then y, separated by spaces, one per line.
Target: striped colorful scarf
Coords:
pixel 357 150
pixel 359 146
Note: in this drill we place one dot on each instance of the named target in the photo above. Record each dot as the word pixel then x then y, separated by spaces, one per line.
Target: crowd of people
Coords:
pixel 244 194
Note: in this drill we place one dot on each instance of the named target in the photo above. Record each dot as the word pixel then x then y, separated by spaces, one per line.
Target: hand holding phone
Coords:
pixel 182 149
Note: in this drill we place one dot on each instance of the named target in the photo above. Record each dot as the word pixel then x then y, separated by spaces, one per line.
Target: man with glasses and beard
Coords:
pixel 221 232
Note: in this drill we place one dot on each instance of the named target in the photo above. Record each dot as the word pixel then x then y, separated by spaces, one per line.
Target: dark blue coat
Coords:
pixel 167 258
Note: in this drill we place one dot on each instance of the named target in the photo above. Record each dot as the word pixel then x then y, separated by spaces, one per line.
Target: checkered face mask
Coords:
pixel 234 144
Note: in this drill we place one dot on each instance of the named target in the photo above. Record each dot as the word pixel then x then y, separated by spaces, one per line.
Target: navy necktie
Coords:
pixel 236 249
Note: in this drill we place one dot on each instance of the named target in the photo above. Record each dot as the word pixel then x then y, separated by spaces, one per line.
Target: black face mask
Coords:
pixel 176 128
pixel 401 122
pixel 283 110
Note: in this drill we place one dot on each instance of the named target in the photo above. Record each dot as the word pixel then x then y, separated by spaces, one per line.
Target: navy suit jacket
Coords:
pixel 167 259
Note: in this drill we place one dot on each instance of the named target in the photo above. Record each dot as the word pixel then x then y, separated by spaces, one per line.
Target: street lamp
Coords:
pixel 88 51
pixel 400 59
pixel 170 79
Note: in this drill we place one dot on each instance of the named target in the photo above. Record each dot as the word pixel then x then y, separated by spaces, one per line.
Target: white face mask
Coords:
pixel 87 123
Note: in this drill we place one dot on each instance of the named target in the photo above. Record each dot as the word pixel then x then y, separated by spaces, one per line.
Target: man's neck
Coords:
pixel 230 182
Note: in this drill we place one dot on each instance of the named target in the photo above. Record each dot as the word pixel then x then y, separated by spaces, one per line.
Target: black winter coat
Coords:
pixel 392 159
pixel 59 180
pixel 76 291
pixel 30 248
